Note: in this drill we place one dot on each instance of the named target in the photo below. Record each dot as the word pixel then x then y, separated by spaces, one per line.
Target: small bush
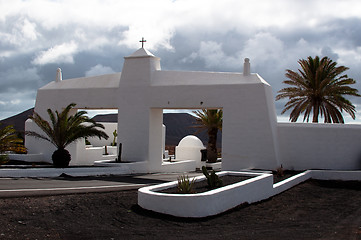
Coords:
pixel 185 186
pixel 3 159
pixel 280 171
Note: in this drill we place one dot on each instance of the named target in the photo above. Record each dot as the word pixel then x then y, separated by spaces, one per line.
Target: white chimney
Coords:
pixel 59 76
pixel 246 67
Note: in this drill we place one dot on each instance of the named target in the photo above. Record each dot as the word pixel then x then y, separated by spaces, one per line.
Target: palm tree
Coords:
pixel 64 130
pixel 318 87
pixel 9 141
pixel 211 121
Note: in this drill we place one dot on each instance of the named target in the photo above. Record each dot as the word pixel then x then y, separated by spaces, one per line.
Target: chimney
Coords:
pixel 246 67
pixel 59 76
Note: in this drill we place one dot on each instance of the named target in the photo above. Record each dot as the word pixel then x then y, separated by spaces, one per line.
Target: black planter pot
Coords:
pixel 61 158
pixel 211 156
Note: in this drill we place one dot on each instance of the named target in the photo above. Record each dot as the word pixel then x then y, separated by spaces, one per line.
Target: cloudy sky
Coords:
pixel 91 38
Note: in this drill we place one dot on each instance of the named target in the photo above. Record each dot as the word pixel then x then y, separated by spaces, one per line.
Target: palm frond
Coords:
pixel 319 85
pixel 66 128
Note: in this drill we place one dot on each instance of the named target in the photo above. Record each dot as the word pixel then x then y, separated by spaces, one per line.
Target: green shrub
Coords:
pixel 212 179
pixel 3 159
pixel 280 171
pixel 185 185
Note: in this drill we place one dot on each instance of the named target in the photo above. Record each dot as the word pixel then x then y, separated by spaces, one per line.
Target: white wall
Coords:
pixel 109 129
pixel 320 146
pixel 249 127
pixel 252 138
pixel 38 146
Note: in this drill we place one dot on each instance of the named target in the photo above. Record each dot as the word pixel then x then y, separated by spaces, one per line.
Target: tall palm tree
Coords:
pixel 9 141
pixel 318 87
pixel 65 129
pixel 210 120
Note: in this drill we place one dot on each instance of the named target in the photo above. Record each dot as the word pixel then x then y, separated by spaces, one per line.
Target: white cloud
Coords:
pixel 22 35
pixel 264 47
pixel 15 101
pixel 351 56
pixel 203 34
pixel 19 74
pixel 214 57
pixel 62 53
pixel 98 70
pixel 29 30
pixel 189 58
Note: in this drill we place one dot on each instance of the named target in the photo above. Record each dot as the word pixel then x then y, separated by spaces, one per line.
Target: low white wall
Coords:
pixel 26 157
pixel 181 166
pixel 217 200
pixel 336 175
pixel 291 182
pixel 320 146
pixel 111 150
pixel 189 153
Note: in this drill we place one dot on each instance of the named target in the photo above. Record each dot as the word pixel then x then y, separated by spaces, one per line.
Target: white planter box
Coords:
pixel 208 203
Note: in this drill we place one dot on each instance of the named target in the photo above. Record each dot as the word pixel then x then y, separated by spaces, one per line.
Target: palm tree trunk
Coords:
pixel 315 113
pixel 212 145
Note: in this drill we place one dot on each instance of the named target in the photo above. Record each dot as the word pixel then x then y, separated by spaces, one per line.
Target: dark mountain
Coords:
pixel 178 125
pixel 18 121
pixel 106 117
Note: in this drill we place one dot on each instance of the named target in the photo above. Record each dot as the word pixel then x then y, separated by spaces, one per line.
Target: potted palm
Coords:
pixel 65 129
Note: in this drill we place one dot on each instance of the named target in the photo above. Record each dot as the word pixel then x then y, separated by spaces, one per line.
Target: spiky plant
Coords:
pixel 185 185
pixel 65 129
pixel 319 88
pixel 210 120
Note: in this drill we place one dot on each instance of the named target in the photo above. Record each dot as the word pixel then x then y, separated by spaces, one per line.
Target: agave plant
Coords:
pixel 185 185
pixel 65 129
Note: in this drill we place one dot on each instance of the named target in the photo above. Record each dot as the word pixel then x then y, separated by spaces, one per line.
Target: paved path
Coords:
pixel 18 187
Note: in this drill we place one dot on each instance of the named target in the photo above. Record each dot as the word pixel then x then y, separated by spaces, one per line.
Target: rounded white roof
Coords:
pixel 190 141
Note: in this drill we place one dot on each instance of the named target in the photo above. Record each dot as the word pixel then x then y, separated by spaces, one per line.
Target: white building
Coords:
pixel 252 138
